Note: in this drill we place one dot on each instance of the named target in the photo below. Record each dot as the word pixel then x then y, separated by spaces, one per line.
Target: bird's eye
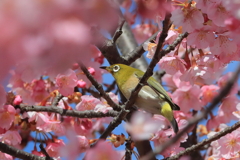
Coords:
pixel 116 68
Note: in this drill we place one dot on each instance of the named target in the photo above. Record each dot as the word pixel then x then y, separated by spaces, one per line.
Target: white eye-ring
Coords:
pixel 116 68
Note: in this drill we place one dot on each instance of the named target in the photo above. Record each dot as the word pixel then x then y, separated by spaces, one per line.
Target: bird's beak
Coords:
pixel 103 67
pixel 106 68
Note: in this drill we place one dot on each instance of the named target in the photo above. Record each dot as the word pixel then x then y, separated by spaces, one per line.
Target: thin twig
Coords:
pixel 66 112
pixel 18 153
pixel 45 152
pixel 118 32
pixel 224 92
pixel 57 99
pixel 138 51
pixel 206 141
pixel 99 88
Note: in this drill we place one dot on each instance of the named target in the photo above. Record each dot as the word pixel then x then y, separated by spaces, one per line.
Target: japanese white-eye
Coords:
pixel 152 97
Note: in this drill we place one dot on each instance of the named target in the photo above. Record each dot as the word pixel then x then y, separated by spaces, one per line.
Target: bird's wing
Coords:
pixel 152 83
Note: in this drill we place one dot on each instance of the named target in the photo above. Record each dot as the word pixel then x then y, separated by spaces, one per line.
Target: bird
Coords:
pixel 152 97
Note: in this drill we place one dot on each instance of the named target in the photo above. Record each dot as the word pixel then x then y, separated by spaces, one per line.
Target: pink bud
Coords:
pixel 75 66
pixel 81 84
pixel 91 70
pixel 17 100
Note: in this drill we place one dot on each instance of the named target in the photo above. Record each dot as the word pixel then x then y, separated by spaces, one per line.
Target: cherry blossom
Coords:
pixel 172 64
pixel 11 138
pixel 187 94
pixel 189 18
pixel 7 116
pixel 103 150
pixel 66 82
pixel 229 145
pixel 142 126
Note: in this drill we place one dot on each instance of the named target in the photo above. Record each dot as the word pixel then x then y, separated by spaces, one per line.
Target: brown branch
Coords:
pixel 107 47
pixel 137 52
pixel 205 141
pixel 57 99
pixel 66 112
pixel 19 153
pixel 99 88
pixel 118 32
pixel 224 92
pixel 45 152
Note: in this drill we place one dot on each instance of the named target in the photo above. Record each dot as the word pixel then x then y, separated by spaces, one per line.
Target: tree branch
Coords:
pixel 206 141
pixel 138 51
pixel 99 88
pixel 18 153
pixel 224 92
pixel 66 112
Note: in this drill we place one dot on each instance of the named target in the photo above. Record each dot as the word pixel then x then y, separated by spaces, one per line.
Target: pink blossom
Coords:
pixel 203 5
pixel 226 109
pixel 66 82
pixel 17 100
pixel 38 117
pixel 172 64
pixel 222 81
pixel 230 145
pixel 87 103
pixel 104 106
pixel 76 145
pixel 11 138
pixel 38 90
pixel 189 18
pixel 71 31
pixel 53 148
pixel 81 84
pixel 102 150
pixel 237 113
pixel 188 97
pixel 150 47
pixel 5 156
pixel 209 92
pixel 55 126
pixel 94 69
pixel 200 73
pixel 153 8
pixel 84 127
pixel 142 126
pixel 7 116
pixel 172 35
pixel 143 31
pixel 201 38
pixel 224 45
pixel 217 12
pixel 213 123
pixel 233 7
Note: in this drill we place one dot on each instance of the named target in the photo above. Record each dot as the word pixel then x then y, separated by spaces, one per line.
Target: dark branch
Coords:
pixel 224 92
pixel 118 32
pixel 99 88
pixel 19 153
pixel 137 52
pixel 57 99
pixel 206 141
pixel 66 112
pixel 45 152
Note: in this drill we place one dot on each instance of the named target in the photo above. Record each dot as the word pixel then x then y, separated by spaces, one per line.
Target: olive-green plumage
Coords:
pixel 152 97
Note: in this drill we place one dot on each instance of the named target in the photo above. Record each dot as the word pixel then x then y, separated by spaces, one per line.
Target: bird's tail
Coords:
pixel 174 125
pixel 167 112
